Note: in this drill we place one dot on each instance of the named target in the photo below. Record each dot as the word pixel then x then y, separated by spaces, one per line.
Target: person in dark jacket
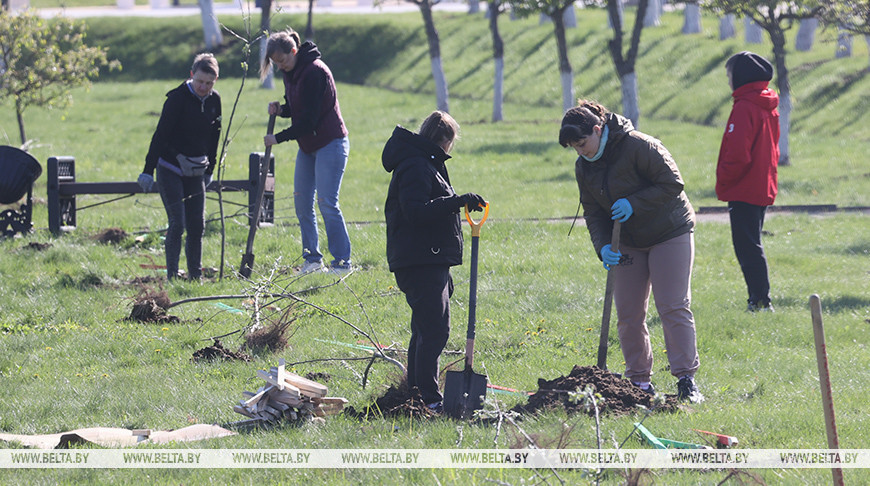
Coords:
pixel 311 102
pixel 627 176
pixel 424 239
pixel 183 151
pixel 746 171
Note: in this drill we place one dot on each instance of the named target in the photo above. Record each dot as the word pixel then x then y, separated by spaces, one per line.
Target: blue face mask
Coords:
pixel 601 144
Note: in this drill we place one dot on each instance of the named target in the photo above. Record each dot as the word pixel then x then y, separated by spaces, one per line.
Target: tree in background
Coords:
pixel 41 61
pixel 211 29
pixel 850 15
pixel 555 9
pixel 625 63
pixel 495 7
pixel 441 96
pixel 775 18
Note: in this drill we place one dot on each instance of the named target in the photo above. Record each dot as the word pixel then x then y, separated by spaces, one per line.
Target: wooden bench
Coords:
pixel 63 189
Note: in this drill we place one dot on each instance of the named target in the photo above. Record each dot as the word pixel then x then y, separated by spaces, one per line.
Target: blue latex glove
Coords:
pixel 621 210
pixel 207 180
pixel 610 258
pixel 146 182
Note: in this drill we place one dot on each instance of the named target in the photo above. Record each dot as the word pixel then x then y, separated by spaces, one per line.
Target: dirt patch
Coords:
pixel 111 235
pixel 398 401
pixel 217 351
pixel 150 306
pixel 620 396
pixel 318 376
pixel 34 245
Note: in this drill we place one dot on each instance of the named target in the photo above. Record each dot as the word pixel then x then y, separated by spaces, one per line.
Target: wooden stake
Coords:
pixel 825 381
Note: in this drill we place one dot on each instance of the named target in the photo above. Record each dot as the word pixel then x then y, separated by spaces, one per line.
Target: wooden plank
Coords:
pixel 243 411
pixel 280 374
pixel 256 398
pixel 310 387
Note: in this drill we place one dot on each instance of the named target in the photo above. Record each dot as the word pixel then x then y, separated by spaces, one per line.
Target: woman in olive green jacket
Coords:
pixel 627 176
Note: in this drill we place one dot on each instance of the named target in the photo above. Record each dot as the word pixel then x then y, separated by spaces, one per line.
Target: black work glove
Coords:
pixel 474 201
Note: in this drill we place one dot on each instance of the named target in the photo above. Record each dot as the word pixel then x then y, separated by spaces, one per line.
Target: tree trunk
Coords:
pixel 625 64
pixel 753 31
pixel 569 18
pixel 620 11
pixel 653 14
pixel 692 19
pixel 844 43
pixel 565 71
pixel 265 29
pixel 473 6
pixel 309 26
pixel 269 81
pixel 806 34
pixel 441 95
pixel 19 114
pixel 867 40
pixel 726 27
pixel 210 27
pixel 498 91
pixel 498 57
pixel 777 37
pixel 630 105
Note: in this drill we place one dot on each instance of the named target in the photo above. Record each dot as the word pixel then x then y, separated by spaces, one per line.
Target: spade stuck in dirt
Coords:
pixel 465 390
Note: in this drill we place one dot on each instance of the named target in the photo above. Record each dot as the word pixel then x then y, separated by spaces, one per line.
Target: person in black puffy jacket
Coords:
pixel 424 239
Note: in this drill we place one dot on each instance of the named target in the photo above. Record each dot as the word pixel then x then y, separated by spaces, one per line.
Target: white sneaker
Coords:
pixel 310 267
pixel 340 269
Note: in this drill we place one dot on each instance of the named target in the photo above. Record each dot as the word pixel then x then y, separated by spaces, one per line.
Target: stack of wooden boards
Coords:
pixel 287 396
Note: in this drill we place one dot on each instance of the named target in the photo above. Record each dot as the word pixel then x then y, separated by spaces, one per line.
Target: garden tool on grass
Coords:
pixel 465 390
pixel 247 264
pixel 662 443
pixel 608 299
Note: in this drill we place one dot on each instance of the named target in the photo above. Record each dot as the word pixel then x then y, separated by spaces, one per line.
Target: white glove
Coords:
pixel 146 182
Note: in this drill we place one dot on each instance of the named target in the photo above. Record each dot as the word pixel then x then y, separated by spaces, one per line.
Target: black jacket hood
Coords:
pixel 404 144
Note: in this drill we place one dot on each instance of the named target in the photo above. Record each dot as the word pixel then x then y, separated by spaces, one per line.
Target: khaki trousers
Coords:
pixel 667 269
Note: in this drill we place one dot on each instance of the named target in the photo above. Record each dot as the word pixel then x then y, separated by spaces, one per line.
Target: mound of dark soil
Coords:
pixel 111 235
pixel 398 401
pixel 620 396
pixel 150 306
pixel 217 351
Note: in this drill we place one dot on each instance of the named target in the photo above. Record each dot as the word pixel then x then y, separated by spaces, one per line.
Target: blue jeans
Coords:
pixel 184 201
pixel 322 171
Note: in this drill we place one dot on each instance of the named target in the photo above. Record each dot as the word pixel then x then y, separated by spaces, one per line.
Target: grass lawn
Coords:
pixel 69 359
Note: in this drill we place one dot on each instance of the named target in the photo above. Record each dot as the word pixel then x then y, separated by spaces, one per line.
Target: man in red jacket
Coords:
pixel 746 171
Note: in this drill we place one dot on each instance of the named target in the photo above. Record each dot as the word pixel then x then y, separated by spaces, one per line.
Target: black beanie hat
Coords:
pixel 748 67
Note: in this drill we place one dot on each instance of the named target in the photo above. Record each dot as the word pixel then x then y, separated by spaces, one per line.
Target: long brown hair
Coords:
pixel 440 128
pixel 284 41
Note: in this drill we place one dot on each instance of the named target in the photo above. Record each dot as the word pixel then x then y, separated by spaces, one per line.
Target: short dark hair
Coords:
pixel 578 122
pixel 205 62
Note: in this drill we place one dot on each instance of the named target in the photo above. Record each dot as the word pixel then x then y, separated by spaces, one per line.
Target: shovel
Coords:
pixel 248 258
pixel 608 299
pixel 465 390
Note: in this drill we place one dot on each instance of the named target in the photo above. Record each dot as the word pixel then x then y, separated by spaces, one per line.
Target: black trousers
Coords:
pixel 747 221
pixel 184 201
pixel 427 290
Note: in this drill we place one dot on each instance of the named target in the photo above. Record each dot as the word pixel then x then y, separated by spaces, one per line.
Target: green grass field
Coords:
pixel 68 359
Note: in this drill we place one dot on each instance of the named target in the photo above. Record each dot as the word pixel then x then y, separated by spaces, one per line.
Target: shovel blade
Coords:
pixel 464 392
pixel 247 265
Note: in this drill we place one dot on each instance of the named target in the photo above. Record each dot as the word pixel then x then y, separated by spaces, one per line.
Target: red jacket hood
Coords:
pixel 758 93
